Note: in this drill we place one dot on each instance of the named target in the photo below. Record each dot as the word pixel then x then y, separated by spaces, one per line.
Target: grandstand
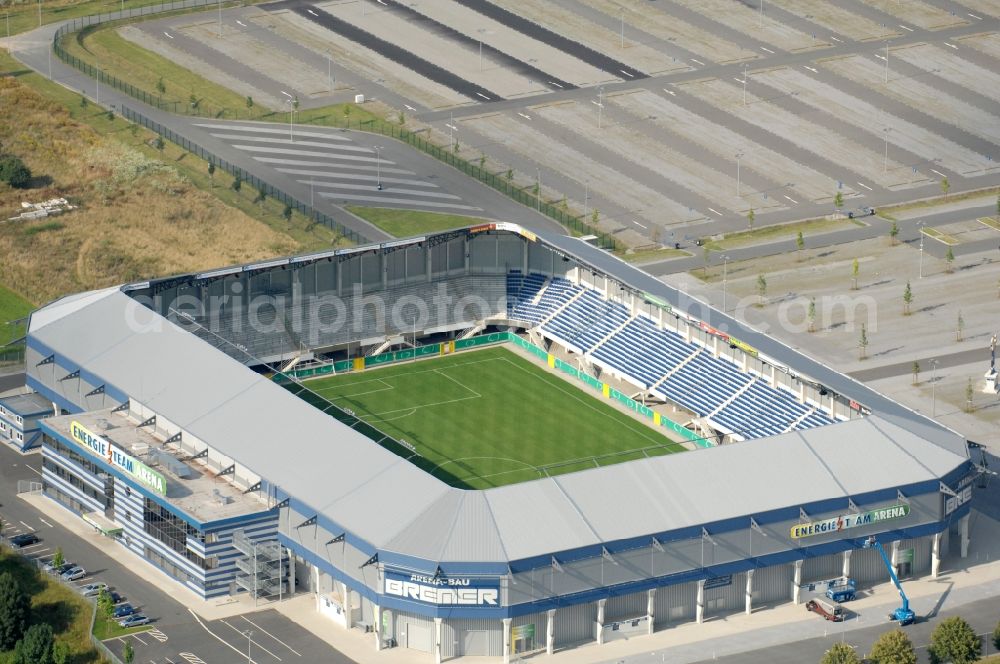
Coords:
pixel 314 387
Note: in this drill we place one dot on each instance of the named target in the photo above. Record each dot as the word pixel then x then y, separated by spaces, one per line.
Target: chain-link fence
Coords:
pixel 244 176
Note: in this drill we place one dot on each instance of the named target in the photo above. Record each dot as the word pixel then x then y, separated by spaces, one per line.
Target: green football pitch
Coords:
pixel 489 417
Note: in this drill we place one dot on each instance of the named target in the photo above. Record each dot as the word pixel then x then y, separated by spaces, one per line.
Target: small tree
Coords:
pixel 863 342
pixel 761 288
pixel 510 174
pixel 907 299
pixel 855 268
pixel 953 640
pixel 158 144
pixel 237 184
pixel 840 653
pixel 800 242
pixel 83 100
pixel 950 258
pixel 193 101
pixel 211 173
pixel 249 105
pixel 58 559
pixel 594 216
pixel 402 118
pixel 969 392
pixel 455 147
pixel 811 314
pixel 945 186
pixel 893 233
pixel 838 201
pixel 996 630
pixel 347 111
pixel 128 654
pixel 482 164
pixel 14 172
pixel 261 197
pixel 36 645
pixel 105 604
pixel 14 607
pixel 893 648
pixel 750 217
pixel 959 326
pixel 286 214
pixel 916 372
pixel 161 87
pixel 60 653
pixel 111 115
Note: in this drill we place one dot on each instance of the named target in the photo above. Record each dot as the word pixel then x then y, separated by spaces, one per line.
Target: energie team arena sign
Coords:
pixel 846 521
pixel 108 452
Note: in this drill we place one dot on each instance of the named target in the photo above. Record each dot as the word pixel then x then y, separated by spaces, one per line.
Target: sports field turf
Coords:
pixel 489 417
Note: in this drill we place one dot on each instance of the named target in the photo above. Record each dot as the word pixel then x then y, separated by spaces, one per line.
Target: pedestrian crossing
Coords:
pixel 337 167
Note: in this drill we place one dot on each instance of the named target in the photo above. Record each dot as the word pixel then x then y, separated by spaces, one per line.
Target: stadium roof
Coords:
pixel 344 476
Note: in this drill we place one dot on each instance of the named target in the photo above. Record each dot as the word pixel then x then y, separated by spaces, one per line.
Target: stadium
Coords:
pixel 485 442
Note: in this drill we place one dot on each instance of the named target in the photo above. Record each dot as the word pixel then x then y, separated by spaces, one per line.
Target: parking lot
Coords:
pixel 175 634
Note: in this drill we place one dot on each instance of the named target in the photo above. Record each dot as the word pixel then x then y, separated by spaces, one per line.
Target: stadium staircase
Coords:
pixel 384 346
pixel 472 331
pixel 731 399
pixel 610 334
pixel 562 307
pixel 796 423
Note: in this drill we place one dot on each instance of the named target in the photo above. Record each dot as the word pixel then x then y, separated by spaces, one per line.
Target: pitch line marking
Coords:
pixel 358 394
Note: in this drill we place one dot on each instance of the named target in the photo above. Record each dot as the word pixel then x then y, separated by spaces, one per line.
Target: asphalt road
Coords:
pixel 10 381
pixel 176 631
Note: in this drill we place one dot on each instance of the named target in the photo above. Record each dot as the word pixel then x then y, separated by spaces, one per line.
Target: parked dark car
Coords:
pixel 25 539
pixel 122 611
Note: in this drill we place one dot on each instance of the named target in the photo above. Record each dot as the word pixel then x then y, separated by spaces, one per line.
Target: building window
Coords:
pixel 171 530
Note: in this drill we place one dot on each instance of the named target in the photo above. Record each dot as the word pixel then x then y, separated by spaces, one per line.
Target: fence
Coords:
pixel 499 183
pixel 237 172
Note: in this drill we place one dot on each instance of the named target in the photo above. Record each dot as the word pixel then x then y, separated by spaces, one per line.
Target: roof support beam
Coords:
pixel 228 470
pixel 71 375
pixel 94 392
pixel 253 487
pixel 176 438
pixel 124 406
pixel 48 360
pixel 311 521
pixel 371 561
pixel 339 538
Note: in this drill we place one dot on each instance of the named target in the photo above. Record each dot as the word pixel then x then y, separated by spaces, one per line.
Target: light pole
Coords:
pixel 586 196
pixel 623 28
pixel 739 155
pixel 760 24
pixel 97 96
pixel 538 185
pixel 934 364
pixel 249 634
pixel 329 73
pixel 725 265
pixel 291 135
pixel 744 85
pixel 885 159
pixel 378 166
pixel 451 130
pixel 220 16
pixel 887 61
pixel 600 104
pixel 921 230
pixel 481 32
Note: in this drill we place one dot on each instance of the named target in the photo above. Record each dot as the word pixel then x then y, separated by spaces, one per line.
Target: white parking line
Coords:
pixel 670 92
pixel 45 522
pixel 555 84
pixel 698 62
pixel 978 18
pixel 905 28
pixel 738 80
pixel 939 173
pixel 239 22
pixel 231 647
pixel 483 96
pixel 791 199
pixel 271 635
pixel 25 525
pixel 136 637
pixel 764 48
pixel 812 69
pixel 639 225
pixel 880 57
pixel 715 211
pixel 409 108
pixel 312 12
pixel 256 643
pixel 862 184
pixel 835 39
pixel 626 73
pixel 168 34
pixel 524 115
pixel 951 45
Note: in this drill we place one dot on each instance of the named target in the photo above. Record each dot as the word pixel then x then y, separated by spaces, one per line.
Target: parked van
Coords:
pixel 829 610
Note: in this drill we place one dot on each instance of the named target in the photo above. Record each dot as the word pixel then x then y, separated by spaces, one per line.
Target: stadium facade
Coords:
pixel 173 437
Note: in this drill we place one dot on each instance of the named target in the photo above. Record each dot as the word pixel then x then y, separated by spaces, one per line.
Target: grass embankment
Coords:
pixel 780 232
pixel 653 255
pixel 12 307
pixel 106 628
pixel 51 602
pixel 490 418
pixel 407 223
pixel 142 212
pixel 24 15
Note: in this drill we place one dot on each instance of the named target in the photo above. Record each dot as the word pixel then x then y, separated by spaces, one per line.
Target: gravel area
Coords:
pixel 953 67
pixel 360 60
pixel 157 44
pixel 910 137
pixel 499 36
pixel 553 154
pixel 808 133
pixel 634 143
pixel 915 93
pixel 837 19
pixel 725 142
pixel 920 14
pixel 658 22
pixel 747 19
pixel 597 37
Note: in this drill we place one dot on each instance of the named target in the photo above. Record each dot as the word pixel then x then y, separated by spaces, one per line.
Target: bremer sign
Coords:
pixel 846 521
pixel 116 457
pixel 442 591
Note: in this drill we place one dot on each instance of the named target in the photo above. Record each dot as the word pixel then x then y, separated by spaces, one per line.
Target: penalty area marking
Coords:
pixel 525 466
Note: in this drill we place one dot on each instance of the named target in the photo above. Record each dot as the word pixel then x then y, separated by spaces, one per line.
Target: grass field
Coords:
pixel 488 418
pixel 406 223
pixel 12 307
